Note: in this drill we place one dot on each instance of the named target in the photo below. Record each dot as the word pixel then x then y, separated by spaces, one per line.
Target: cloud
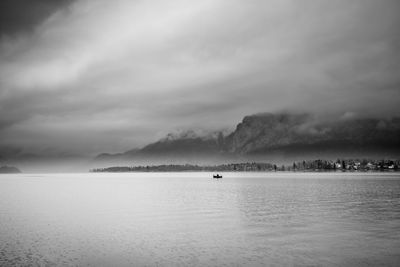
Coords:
pixel 23 15
pixel 102 75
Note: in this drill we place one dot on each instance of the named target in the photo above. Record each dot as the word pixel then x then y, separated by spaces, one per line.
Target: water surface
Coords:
pixel 181 219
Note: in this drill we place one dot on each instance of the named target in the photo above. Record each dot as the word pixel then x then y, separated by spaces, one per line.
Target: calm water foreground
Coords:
pixel 190 219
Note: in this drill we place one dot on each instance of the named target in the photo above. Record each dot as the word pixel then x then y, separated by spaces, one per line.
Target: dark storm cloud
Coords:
pixel 111 75
pixel 23 15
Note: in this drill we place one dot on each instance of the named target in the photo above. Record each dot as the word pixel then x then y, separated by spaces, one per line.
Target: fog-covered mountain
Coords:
pixel 187 146
pixel 46 160
pixel 263 133
pixel 278 138
pixel 268 136
pixel 9 169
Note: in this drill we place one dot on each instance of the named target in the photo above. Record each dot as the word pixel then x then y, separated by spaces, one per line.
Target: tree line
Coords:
pixel 309 165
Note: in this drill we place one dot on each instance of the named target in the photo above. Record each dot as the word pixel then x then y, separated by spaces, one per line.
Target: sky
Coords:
pixel 88 77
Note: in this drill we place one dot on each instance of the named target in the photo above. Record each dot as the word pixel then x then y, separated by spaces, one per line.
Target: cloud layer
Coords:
pixel 103 75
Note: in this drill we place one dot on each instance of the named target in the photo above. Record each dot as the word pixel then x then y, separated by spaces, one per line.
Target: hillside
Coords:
pixel 278 135
pixel 9 169
pixel 264 133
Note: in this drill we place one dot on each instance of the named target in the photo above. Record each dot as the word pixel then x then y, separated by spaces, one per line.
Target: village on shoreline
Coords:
pixel 351 165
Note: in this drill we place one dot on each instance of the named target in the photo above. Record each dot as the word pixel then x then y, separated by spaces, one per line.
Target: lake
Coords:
pixel 190 219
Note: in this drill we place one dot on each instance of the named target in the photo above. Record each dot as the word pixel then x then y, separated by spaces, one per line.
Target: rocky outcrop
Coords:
pixel 265 132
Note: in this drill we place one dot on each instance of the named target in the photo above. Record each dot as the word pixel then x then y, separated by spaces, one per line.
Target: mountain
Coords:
pixel 271 136
pixel 186 143
pixel 265 133
pixel 45 160
pixel 265 137
pixel 9 169
pixel 187 146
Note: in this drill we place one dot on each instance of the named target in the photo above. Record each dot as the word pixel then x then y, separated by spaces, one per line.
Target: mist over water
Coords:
pixel 181 219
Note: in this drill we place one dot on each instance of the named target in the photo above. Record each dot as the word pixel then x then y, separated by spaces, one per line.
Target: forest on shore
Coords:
pixel 309 165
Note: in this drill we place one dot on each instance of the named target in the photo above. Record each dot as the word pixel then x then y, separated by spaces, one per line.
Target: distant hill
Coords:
pixel 8 169
pixel 183 147
pixel 285 135
pixel 43 161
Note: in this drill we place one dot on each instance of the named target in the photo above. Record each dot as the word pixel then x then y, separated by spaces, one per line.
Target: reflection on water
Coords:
pixel 180 219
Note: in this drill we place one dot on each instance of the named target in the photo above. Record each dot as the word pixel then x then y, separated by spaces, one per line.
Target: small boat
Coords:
pixel 217 176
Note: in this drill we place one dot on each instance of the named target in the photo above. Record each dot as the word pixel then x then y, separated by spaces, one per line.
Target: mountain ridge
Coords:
pixel 279 134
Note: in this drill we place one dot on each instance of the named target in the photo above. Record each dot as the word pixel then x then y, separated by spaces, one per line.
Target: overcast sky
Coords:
pixel 106 76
